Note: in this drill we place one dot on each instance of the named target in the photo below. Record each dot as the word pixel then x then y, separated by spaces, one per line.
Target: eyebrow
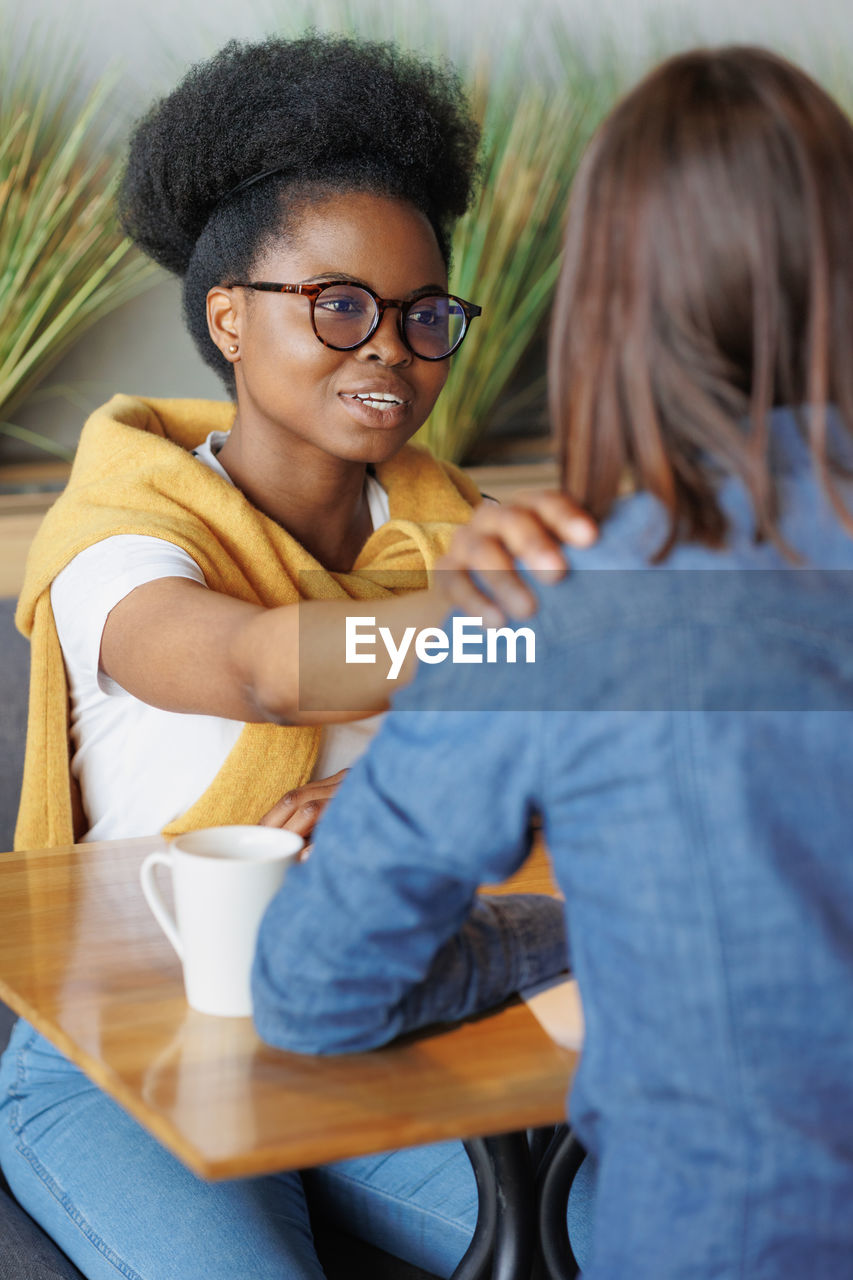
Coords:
pixel 341 277
pixel 331 275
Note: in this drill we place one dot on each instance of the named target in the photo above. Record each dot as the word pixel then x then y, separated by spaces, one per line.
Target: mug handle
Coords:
pixel 155 901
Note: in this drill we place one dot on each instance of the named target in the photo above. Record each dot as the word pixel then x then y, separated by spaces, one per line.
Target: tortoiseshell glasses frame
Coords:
pixel 432 324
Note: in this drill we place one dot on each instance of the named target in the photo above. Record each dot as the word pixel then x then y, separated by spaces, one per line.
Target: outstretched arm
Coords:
pixel 176 644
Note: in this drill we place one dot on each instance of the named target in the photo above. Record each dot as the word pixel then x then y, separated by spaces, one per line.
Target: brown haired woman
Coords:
pixel 685 728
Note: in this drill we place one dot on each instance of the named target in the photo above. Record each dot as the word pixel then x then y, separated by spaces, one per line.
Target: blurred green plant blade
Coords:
pixel 506 250
pixel 64 263
pixel 36 438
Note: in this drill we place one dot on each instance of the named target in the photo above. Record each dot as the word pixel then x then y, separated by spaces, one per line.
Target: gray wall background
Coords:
pixel 142 348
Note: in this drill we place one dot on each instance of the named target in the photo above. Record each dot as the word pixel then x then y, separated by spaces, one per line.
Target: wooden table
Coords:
pixel 83 960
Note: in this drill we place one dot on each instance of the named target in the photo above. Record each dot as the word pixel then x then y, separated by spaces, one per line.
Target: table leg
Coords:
pixel 554 1178
pixel 503 1245
pixel 539 1140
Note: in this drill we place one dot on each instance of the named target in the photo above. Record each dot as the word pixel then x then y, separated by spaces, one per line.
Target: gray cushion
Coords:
pixel 14 676
pixel 14 668
pixel 7 1021
pixel 14 680
pixel 26 1253
pixel 14 663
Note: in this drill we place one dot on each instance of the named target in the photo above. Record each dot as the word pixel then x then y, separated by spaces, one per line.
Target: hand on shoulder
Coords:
pixel 532 531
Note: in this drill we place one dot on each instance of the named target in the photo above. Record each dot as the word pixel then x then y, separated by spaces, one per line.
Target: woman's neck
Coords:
pixel 320 500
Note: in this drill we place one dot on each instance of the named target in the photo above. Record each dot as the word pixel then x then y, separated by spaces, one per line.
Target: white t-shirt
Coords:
pixel 139 767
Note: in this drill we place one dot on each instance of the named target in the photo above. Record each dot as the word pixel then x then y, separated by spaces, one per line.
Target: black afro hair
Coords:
pixel 324 114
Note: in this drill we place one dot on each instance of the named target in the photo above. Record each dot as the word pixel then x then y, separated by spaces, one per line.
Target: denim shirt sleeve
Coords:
pixel 381 930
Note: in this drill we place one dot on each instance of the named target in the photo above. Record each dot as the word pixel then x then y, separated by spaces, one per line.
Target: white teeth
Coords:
pixel 378 400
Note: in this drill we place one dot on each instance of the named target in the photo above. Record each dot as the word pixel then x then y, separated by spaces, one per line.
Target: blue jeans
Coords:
pixel 117 1202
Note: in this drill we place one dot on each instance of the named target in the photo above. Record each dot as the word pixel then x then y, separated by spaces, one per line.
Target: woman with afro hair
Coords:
pixel 305 192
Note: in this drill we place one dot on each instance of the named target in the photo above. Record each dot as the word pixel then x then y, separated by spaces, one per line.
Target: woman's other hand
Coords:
pixel 532 530
pixel 300 809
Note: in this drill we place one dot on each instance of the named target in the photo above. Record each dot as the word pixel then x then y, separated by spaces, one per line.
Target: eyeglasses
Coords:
pixel 345 316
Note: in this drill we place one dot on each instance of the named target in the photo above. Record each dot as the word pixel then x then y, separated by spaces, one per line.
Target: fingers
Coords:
pixel 534 526
pixel 299 810
pixel 305 819
pixel 530 530
pixel 498 591
pixel 560 515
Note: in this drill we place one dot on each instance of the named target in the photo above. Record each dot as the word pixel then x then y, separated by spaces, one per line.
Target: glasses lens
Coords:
pixel 344 315
pixel 435 326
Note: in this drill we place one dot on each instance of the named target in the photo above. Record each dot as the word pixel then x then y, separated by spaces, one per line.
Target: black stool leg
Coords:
pixel 539 1140
pixel 555 1176
pixel 478 1256
pixel 503 1244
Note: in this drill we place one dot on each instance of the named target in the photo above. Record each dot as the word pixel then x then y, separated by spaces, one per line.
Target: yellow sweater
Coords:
pixel 134 473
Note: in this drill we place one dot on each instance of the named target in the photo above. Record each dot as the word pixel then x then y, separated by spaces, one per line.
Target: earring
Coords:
pixel 232 347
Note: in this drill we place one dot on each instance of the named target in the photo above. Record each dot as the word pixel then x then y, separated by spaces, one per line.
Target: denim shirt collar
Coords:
pixel 789 446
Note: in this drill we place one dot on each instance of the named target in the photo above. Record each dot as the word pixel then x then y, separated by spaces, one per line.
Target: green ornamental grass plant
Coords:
pixel 64 263
pixel 538 115
pixel 506 250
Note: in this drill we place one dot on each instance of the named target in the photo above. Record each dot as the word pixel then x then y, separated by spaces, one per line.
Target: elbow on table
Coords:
pixel 300 1025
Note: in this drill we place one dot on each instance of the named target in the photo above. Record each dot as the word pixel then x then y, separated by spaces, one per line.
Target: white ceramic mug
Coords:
pixel 224 878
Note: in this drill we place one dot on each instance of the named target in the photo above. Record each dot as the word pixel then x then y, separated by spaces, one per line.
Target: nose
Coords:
pixel 385 345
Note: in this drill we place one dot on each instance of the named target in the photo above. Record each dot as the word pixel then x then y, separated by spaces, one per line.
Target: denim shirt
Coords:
pixel 684 732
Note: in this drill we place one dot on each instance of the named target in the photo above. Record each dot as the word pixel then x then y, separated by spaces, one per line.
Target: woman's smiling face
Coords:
pixel 301 394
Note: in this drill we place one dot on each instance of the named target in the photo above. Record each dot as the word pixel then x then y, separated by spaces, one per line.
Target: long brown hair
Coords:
pixel 708 276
